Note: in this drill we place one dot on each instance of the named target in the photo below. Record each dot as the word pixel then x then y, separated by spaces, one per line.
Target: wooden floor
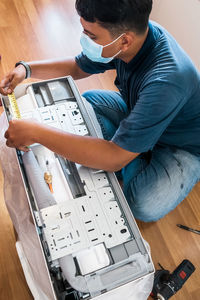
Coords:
pixel 41 29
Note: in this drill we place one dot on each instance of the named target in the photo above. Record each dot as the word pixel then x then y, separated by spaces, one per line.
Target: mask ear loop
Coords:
pixel 114 40
pixel 117 53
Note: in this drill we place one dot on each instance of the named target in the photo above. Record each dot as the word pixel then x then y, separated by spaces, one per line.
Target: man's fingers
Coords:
pixel 23 148
pixel 9 144
pixel 6 135
pixel 5 85
pixel 5 82
pixel 12 79
pixel 6 91
pixel 13 84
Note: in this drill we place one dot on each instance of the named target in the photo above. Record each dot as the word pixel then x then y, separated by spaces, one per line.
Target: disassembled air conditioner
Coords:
pixel 88 235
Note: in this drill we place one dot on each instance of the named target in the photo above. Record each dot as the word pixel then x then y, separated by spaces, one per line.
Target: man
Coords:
pixel 151 126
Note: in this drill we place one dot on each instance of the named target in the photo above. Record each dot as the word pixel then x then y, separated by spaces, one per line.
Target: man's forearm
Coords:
pixel 85 150
pixel 88 151
pixel 46 69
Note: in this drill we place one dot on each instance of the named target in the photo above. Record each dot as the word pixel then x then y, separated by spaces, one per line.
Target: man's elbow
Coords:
pixel 118 158
pixel 117 166
pixel 112 169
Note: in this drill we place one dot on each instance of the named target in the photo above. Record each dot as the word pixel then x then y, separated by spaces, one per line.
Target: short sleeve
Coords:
pixel 156 107
pixel 88 66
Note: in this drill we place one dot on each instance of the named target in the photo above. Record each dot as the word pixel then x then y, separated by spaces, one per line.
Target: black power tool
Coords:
pixel 166 284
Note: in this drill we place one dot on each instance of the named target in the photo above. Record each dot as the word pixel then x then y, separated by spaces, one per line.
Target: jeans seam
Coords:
pixel 102 127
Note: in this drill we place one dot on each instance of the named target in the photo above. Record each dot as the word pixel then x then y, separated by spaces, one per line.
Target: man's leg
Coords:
pixel 109 108
pixel 153 188
pixel 152 185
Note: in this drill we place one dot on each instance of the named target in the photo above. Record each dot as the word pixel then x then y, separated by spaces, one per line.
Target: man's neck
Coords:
pixel 135 48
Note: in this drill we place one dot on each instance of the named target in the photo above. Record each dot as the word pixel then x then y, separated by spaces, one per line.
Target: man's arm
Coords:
pixel 44 69
pixel 88 151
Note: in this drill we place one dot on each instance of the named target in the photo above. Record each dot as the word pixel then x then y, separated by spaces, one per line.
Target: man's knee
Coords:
pixel 145 209
pixel 87 95
pixel 152 207
pixel 146 214
pixel 92 97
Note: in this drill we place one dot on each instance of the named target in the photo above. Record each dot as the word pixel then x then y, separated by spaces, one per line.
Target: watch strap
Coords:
pixel 26 66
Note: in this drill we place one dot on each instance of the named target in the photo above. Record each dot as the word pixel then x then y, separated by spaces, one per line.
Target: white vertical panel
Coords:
pixel 182 19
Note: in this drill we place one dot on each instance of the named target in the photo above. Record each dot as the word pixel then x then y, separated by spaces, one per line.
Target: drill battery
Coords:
pixel 166 284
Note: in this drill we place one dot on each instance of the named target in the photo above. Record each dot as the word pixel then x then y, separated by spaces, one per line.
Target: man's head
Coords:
pixel 117 16
pixel 105 20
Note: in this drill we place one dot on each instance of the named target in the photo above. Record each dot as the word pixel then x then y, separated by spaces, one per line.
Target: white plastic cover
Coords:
pixel 29 249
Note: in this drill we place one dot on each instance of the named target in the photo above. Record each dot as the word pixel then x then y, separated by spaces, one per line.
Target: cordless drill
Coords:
pixel 166 284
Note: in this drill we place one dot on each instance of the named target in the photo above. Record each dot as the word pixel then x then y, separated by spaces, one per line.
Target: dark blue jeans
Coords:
pixel 155 182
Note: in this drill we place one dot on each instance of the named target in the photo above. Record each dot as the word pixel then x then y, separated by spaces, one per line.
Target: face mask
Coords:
pixel 94 51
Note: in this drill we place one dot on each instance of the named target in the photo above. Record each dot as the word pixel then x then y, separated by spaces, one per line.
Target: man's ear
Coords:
pixel 127 40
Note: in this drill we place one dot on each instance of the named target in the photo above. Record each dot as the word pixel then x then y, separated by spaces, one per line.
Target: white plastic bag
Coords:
pixel 18 208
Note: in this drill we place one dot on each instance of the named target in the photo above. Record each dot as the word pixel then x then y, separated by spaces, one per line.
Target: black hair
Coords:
pixel 116 16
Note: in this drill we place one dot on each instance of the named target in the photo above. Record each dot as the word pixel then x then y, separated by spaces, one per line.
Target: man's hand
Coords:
pixel 12 79
pixel 21 133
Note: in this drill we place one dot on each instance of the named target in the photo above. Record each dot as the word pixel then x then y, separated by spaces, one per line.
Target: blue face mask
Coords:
pixel 94 51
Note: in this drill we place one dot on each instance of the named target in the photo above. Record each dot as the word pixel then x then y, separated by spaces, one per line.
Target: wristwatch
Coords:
pixel 26 66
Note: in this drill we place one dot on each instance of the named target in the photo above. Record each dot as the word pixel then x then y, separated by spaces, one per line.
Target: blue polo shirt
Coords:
pixel 161 88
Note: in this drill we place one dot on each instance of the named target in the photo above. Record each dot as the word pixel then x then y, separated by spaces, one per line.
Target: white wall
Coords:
pixel 182 19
